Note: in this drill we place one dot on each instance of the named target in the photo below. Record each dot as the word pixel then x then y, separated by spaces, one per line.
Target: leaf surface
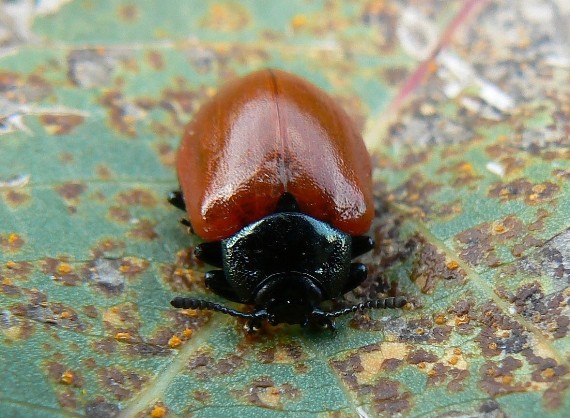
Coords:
pixel 465 107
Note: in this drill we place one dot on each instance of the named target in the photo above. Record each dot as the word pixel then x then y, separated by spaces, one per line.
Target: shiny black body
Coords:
pixel 284 265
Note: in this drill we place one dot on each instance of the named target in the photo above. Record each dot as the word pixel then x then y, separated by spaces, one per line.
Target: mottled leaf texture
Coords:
pixel 466 108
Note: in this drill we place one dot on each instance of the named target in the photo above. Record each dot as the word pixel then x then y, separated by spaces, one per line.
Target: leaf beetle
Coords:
pixel 276 179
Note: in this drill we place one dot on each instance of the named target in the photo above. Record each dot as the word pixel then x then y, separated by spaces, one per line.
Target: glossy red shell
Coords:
pixel 265 134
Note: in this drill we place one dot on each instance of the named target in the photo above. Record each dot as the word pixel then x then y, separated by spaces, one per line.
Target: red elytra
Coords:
pixel 265 134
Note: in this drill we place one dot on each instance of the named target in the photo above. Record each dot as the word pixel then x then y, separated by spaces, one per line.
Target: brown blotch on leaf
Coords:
pixel 384 17
pixel 61 124
pixel 463 174
pixel 394 76
pixel 283 353
pixel 11 242
pixel 17 269
pixel 263 392
pixel 67 399
pixel 105 346
pixel 138 197
pixel 204 366
pixel 497 378
pixel 16 198
pixel 479 242
pixel 554 396
pixel 387 396
pixel 431 266
pixel 119 214
pixel 104 172
pixel 91 311
pixel 53 313
pixel 140 349
pixel 421 356
pixel 167 154
pixel 62 374
pixel 120 118
pixel 129 13
pixel 455 378
pixel 524 189
pixel 61 271
pixel 71 190
pixel 122 384
pixel 546 311
pixel 417 193
pixel 108 247
pixel 202 396
pixel 538 225
pixel 424 330
pixel 499 333
pixel 348 368
pixel 155 59
pixel 101 408
pixel 144 230
pixel 183 274
pixel 226 17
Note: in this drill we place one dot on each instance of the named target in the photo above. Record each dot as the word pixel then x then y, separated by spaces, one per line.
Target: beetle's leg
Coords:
pixel 361 244
pixel 358 273
pixel 176 199
pixel 217 283
pixel 210 253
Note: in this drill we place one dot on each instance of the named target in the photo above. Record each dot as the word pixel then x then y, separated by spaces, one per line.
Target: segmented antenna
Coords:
pixel 385 303
pixel 188 303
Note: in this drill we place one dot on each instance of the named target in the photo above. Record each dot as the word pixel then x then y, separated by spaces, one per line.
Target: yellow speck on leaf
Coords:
pixel 123 336
pixel 67 378
pixel 174 341
pixel 158 411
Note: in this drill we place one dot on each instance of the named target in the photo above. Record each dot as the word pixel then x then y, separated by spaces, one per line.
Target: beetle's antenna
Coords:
pixel 385 303
pixel 188 303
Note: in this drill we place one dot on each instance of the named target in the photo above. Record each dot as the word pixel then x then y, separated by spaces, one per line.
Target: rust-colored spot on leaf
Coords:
pixel 11 242
pixel 174 341
pixel 71 190
pixel 61 271
pixel 226 17
pixel 144 230
pixel 61 124
pixel 431 267
pixel 158 411
pixel 524 189
pixel 497 377
pixel 155 59
pixel 16 198
pixel 121 383
pixel 129 13
pixel 119 214
pixel 137 197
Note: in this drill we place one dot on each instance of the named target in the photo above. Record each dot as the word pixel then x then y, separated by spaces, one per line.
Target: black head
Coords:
pixel 289 297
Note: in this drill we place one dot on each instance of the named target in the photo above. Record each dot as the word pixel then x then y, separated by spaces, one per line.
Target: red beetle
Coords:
pixel 277 180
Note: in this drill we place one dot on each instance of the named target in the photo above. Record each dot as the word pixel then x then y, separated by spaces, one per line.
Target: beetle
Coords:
pixel 276 179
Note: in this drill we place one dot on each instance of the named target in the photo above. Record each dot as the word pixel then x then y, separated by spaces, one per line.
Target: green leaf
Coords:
pixel 465 106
